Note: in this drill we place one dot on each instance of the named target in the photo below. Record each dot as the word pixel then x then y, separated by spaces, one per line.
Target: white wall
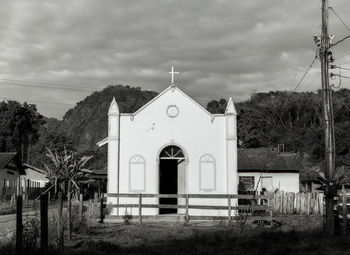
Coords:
pixel 194 130
pixel 288 182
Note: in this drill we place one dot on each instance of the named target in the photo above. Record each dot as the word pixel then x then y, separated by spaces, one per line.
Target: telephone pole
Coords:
pixel 328 122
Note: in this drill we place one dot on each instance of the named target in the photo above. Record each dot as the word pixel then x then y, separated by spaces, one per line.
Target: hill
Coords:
pixel 265 120
pixel 86 123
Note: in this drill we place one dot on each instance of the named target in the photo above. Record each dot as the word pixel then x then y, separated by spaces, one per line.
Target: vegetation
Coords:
pixel 265 120
pixel 295 120
pixel 20 124
pixel 66 172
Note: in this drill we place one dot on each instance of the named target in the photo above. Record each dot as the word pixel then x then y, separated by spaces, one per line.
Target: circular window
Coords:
pixel 172 111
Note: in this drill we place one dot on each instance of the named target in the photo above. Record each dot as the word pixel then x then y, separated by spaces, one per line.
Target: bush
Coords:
pixel 31 233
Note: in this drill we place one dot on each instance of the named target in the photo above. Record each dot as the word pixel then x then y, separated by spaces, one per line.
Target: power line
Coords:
pixel 331 8
pixel 346 37
pixel 21 83
pixel 302 56
pixel 312 81
pixel 308 69
pixel 343 68
pixel 342 76
pixel 35 101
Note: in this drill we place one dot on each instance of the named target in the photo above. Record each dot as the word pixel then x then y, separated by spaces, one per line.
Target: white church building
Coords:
pixel 172 145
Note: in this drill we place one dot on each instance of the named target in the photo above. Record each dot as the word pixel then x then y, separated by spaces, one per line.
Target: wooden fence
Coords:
pixel 298 203
pixel 258 204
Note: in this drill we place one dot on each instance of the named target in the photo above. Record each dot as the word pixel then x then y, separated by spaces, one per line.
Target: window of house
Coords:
pixel 207 173
pixel 137 172
pixel 246 183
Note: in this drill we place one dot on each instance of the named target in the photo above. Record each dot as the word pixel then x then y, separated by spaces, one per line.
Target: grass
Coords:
pixel 295 235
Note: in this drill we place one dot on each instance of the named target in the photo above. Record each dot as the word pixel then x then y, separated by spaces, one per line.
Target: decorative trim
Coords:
pixel 170 114
pixel 140 161
pixel 172 144
pixel 206 158
pixel 163 92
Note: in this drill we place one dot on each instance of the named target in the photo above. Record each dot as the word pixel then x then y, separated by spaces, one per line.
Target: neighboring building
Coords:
pixel 311 186
pixel 34 176
pixel 276 170
pixel 9 173
pixel 97 183
pixel 172 145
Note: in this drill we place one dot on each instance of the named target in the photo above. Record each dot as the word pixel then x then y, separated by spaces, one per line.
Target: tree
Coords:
pixel 68 169
pixel 53 137
pixel 19 126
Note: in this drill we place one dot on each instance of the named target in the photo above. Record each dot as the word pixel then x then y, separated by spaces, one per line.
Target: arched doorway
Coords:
pixel 171 176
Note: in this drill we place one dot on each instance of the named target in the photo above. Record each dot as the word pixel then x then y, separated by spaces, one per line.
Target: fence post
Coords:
pixel 44 228
pixel 345 212
pixel 140 208
pixel 60 220
pixel 229 206
pixel 187 218
pixel 81 198
pixel 101 209
pixel 19 225
pixel 95 203
pixel 25 192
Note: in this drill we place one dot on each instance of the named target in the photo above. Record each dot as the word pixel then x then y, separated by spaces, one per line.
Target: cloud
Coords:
pixel 221 48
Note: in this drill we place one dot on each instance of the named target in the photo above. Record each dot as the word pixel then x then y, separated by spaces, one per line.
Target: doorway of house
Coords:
pixel 170 178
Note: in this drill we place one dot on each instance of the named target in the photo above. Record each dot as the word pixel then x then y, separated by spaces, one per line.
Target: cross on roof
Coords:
pixel 172 74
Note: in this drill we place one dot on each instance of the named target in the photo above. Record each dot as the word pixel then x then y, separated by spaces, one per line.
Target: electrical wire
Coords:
pixel 312 81
pixel 40 84
pixel 35 101
pixel 334 44
pixel 342 76
pixel 307 70
pixel 343 68
pixel 302 56
pixel 347 27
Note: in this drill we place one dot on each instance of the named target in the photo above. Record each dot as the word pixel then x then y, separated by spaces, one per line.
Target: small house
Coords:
pixel 9 173
pixel 267 169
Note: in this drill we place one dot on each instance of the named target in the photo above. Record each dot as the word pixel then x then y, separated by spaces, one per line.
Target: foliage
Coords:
pixel 31 234
pixel 86 123
pixel 20 124
pixel 67 166
pixel 127 218
pixel 51 136
pixel 295 120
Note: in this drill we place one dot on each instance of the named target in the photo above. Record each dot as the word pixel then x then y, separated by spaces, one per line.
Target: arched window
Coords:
pixel 137 173
pixel 207 173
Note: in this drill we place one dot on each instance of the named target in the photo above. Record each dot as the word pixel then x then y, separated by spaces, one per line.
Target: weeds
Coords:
pixel 31 233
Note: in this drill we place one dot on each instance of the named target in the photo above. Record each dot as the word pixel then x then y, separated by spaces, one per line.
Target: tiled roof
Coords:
pixel 266 159
pixel 5 158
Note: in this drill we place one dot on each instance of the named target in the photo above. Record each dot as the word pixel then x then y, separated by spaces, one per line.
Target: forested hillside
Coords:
pixel 292 119
pixel 86 123
pixel 265 120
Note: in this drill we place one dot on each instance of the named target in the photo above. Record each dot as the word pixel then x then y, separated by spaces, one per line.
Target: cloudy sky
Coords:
pixel 55 53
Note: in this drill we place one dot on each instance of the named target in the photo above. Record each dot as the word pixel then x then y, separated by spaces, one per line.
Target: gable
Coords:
pixel 176 97
pixel 5 158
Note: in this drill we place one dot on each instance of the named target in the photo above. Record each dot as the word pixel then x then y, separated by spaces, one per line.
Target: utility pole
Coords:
pixel 328 122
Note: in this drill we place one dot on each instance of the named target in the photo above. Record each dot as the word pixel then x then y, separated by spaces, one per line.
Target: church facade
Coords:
pixel 172 145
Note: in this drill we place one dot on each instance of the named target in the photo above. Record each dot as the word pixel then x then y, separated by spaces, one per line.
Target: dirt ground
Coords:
pixel 288 235
pixel 294 234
